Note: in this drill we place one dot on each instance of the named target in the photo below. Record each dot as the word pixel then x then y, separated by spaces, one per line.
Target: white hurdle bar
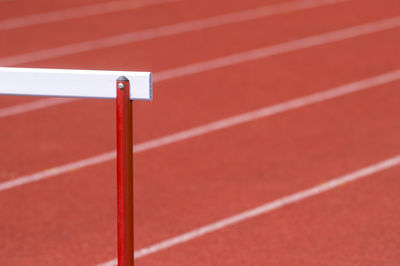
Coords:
pixel 72 83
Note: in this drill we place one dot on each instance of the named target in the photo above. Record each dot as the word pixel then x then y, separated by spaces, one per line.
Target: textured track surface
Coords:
pixel 70 219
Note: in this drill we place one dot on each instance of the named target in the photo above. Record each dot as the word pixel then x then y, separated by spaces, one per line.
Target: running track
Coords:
pixel 269 142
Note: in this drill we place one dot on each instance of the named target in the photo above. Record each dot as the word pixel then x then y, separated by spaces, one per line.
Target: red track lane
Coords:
pixel 18 8
pixel 184 186
pixel 150 54
pixel 92 130
pixel 242 167
pixel 70 220
pixel 83 130
pixel 94 27
pixel 356 224
pixel 164 53
pixel 8 101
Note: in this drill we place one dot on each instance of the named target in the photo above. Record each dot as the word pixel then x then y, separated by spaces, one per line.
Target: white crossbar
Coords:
pixel 72 83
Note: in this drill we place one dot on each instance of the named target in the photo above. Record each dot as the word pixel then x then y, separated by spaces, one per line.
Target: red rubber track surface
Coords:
pixel 18 8
pixel 355 225
pixel 186 47
pixel 70 219
pixel 210 102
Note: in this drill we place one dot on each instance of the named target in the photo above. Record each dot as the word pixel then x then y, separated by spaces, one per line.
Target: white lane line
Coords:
pixel 265 208
pixel 268 51
pixel 34 105
pixel 282 48
pixel 210 127
pixel 163 31
pixel 58 170
pixel 76 12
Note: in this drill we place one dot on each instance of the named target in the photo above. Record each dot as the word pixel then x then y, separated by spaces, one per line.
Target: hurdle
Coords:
pixel 124 86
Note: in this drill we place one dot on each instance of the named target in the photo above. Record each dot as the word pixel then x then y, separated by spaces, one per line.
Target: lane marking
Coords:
pixel 265 208
pixel 33 105
pixel 278 49
pixel 76 12
pixel 265 52
pixel 210 127
pixel 163 31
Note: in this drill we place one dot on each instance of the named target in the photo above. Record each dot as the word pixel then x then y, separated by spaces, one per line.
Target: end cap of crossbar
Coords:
pixel 122 78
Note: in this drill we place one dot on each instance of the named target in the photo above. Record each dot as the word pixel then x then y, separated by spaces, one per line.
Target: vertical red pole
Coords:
pixel 124 173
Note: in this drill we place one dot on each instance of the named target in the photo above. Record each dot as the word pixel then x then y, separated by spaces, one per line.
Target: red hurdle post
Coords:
pixel 124 173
